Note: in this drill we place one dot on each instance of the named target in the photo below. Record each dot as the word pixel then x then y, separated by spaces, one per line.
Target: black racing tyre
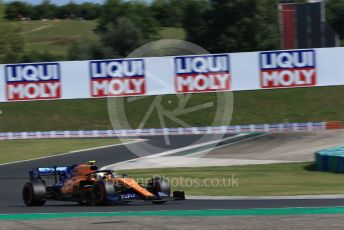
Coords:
pixel 34 194
pixel 85 199
pixel 157 185
pixel 100 191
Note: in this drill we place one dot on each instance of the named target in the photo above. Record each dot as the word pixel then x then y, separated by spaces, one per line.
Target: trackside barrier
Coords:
pixel 334 125
pixel 172 75
pixel 283 127
pixel 330 160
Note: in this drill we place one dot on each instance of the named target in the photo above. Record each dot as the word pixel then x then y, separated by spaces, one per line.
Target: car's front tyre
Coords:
pixel 100 191
pixel 160 188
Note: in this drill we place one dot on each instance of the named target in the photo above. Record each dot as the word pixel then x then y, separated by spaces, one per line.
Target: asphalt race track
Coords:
pixel 13 177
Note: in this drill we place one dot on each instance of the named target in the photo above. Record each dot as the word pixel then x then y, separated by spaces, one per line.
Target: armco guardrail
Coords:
pixel 283 127
pixel 172 75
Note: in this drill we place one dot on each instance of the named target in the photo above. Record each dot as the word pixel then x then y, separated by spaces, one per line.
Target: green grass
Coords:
pixel 57 36
pixel 172 33
pixel 250 107
pixel 15 150
pixel 2 12
pixel 60 115
pixel 253 180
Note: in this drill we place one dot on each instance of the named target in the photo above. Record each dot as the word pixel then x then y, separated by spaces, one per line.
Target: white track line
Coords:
pixel 76 151
pixel 225 145
pixel 175 150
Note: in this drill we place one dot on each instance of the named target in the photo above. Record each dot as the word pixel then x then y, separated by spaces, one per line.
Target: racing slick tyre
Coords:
pixel 34 194
pixel 84 197
pixel 159 185
pixel 100 191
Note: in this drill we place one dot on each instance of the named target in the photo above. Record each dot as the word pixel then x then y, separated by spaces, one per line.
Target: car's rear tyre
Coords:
pixel 34 194
pixel 100 192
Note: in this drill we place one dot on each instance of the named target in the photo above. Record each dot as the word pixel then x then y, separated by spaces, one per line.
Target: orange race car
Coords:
pixel 85 184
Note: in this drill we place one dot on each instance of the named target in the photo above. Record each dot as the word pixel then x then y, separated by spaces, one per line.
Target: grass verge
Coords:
pixel 56 36
pixel 16 150
pixel 252 180
pixel 250 107
pixel 172 33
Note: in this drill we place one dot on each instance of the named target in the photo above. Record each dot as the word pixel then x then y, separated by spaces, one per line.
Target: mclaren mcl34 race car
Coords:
pixel 86 185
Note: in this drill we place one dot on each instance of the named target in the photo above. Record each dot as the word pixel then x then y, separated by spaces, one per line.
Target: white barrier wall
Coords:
pixel 171 75
pixel 283 127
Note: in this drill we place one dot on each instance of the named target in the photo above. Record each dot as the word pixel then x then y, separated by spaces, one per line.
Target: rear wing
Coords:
pixel 37 173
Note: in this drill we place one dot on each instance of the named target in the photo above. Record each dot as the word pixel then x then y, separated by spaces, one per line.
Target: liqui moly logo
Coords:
pixel 288 69
pixel 202 73
pixel 33 81
pixel 117 78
